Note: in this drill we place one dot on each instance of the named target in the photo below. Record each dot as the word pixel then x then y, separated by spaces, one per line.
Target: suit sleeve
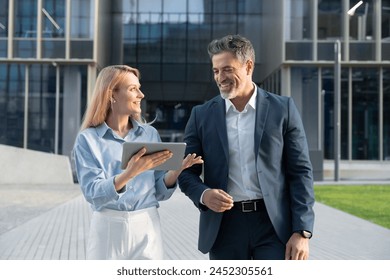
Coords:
pixel 298 170
pixel 190 181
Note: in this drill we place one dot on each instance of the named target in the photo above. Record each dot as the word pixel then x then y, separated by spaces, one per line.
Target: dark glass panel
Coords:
pixel 12 83
pixel 25 48
pixel 299 51
pixel 3 22
pixel 362 51
pixel 41 115
pixel 365 108
pixel 174 72
pixel 328 88
pixel 386 114
pixel 329 19
pixel 3 47
pixel 53 49
pixel 326 50
pixel 81 49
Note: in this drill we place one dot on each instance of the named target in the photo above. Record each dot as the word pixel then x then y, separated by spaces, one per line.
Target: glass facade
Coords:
pixel 364 39
pixel 51 50
pixel 33 70
pixel 44 34
pixel 167 40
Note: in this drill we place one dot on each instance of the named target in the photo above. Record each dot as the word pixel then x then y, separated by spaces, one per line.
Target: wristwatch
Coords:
pixel 305 234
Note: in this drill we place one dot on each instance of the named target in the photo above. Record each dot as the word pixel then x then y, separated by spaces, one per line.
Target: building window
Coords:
pixel 25 28
pixel 365 114
pixel 297 14
pixel 385 29
pixel 25 24
pixel 361 23
pixel 82 28
pixel 53 29
pixel 3 27
pixel 299 50
pixel 361 33
pixel 386 114
pixel 41 115
pixel 12 83
pixel 328 89
pixel 329 19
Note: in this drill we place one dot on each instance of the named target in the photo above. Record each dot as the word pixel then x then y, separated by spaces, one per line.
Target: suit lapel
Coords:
pixel 262 105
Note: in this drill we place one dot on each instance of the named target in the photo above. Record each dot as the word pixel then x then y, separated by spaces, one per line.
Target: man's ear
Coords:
pixel 249 67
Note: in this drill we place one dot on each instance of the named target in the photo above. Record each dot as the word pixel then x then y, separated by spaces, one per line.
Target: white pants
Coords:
pixel 121 235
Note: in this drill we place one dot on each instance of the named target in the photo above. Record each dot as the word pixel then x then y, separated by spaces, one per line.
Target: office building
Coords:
pixel 52 50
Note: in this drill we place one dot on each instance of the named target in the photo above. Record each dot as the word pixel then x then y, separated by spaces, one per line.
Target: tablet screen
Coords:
pixel 174 163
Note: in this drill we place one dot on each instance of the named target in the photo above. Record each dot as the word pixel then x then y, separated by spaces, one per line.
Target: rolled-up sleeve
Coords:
pixel 96 187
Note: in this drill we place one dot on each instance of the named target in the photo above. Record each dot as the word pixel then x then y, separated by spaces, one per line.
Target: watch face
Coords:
pixel 306 234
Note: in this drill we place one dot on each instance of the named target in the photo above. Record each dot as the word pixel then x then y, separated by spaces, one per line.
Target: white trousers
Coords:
pixel 121 235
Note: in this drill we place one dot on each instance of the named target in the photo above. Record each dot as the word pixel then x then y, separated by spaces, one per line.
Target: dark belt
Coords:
pixel 249 205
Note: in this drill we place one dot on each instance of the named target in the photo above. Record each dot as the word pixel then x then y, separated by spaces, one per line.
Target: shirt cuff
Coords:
pixel 122 190
pixel 201 197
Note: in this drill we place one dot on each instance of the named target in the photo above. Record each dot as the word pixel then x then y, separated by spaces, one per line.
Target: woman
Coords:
pixel 125 222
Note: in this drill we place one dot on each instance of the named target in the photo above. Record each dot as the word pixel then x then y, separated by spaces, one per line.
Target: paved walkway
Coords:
pixel 52 222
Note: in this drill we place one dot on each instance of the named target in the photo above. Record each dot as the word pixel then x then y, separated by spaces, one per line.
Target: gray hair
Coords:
pixel 238 45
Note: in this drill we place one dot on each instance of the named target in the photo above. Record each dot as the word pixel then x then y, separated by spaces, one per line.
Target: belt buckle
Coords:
pixel 246 203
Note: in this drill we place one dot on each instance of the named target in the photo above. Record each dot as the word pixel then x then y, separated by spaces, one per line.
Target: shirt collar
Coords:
pixel 104 128
pixel 251 102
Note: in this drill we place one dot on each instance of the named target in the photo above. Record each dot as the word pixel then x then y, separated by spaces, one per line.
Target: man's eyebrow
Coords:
pixel 224 67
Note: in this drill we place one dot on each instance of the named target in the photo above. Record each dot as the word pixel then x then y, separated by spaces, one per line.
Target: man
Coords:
pixel 256 197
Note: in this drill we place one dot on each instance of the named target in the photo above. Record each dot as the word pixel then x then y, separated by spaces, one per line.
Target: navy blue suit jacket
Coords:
pixel 282 163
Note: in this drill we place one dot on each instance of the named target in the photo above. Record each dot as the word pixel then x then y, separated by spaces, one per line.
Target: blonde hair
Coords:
pixel 100 104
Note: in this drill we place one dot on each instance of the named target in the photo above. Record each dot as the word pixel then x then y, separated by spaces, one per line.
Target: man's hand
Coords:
pixel 217 200
pixel 297 247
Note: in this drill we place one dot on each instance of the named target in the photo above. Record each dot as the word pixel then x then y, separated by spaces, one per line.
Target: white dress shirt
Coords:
pixel 243 183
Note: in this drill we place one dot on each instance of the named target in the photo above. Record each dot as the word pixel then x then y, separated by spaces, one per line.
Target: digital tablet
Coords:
pixel 174 163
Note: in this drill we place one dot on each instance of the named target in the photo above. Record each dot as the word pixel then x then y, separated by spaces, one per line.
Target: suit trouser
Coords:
pixel 244 236
pixel 122 235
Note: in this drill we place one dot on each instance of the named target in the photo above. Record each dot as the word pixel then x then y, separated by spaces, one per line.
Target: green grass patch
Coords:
pixel 369 202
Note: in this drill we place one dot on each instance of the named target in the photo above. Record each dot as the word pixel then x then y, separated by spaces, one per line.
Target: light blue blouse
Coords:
pixel 97 157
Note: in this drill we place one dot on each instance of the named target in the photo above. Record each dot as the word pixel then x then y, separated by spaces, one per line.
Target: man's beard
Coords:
pixel 228 95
